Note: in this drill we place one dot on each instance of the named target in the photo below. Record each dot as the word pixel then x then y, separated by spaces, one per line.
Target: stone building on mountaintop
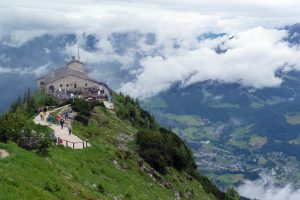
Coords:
pixel 71 81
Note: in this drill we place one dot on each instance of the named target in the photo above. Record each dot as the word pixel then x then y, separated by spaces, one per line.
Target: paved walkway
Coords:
pixel 109 105
pixel 72 140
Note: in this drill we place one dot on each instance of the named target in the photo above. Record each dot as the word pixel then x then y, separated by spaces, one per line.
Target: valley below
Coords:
pixel 231 162
pixel 237 134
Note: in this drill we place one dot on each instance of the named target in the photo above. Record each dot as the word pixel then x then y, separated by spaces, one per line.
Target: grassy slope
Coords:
pixel 76 174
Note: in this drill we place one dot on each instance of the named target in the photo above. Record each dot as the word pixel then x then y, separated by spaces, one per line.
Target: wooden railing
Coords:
pixel 62 141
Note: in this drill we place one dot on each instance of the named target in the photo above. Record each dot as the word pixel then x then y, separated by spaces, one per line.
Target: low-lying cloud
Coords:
pixel 265 189
pixel 251 58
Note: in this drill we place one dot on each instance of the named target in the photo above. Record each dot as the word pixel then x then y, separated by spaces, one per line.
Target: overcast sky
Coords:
pixel 254 54
pixel 27 18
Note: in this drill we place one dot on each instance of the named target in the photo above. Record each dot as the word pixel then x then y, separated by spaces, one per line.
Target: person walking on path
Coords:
pixel 70 128
pixel 58 118
pixel 42 116
pixel 66 115
pixel 49 119
pixel 62 121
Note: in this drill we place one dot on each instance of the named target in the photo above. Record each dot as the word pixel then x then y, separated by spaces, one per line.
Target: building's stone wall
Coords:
pixel 70 81
pixel 40 84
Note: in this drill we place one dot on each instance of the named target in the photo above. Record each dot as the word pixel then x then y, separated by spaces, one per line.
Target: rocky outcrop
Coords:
pixel 154 175
pixel 3 153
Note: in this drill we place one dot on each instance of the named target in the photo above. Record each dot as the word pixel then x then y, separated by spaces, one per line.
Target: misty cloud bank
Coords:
pixel 251 58
pixel 265 189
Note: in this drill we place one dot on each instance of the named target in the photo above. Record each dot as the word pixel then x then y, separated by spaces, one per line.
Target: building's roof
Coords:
pixel 40 77
pixel 63 72
pixel 74 60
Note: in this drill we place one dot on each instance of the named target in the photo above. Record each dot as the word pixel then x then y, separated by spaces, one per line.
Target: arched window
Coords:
pixel 51 88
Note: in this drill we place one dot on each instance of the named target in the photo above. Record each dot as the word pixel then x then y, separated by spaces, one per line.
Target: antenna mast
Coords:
pixel 78 51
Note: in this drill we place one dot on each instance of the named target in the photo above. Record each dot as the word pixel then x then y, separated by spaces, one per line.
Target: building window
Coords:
pixel 61 85
pixel 75 85
pixel 67 85
pixel 71 84
pixel 86 84
pixel 42 83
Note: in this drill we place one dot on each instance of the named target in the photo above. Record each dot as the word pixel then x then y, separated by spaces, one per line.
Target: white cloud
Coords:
pixel 265 189
pixel 37 71
pixel 252 59
pixel 104 54
pixel 23 20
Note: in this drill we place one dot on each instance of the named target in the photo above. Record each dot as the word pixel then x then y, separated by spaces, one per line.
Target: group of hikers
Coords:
pixel 58 119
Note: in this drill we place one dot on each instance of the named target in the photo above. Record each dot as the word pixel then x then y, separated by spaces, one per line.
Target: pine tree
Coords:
pixel 16 104
pixel 231 194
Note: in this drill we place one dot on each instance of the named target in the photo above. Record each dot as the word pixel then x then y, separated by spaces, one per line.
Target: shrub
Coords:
pixel 52 187
pixel 75 109
pixel 49 101
pixel 29 139
pixel 81 105
pixel 163 148
pixel 100 188
pixel 128 109
pixel 43 147
pixel 82 119
pixel 85 113
pixel 12 124
pixel 207 185
pixel 180 161
pixel 154 159
pixel 98 103
pixel 231 194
